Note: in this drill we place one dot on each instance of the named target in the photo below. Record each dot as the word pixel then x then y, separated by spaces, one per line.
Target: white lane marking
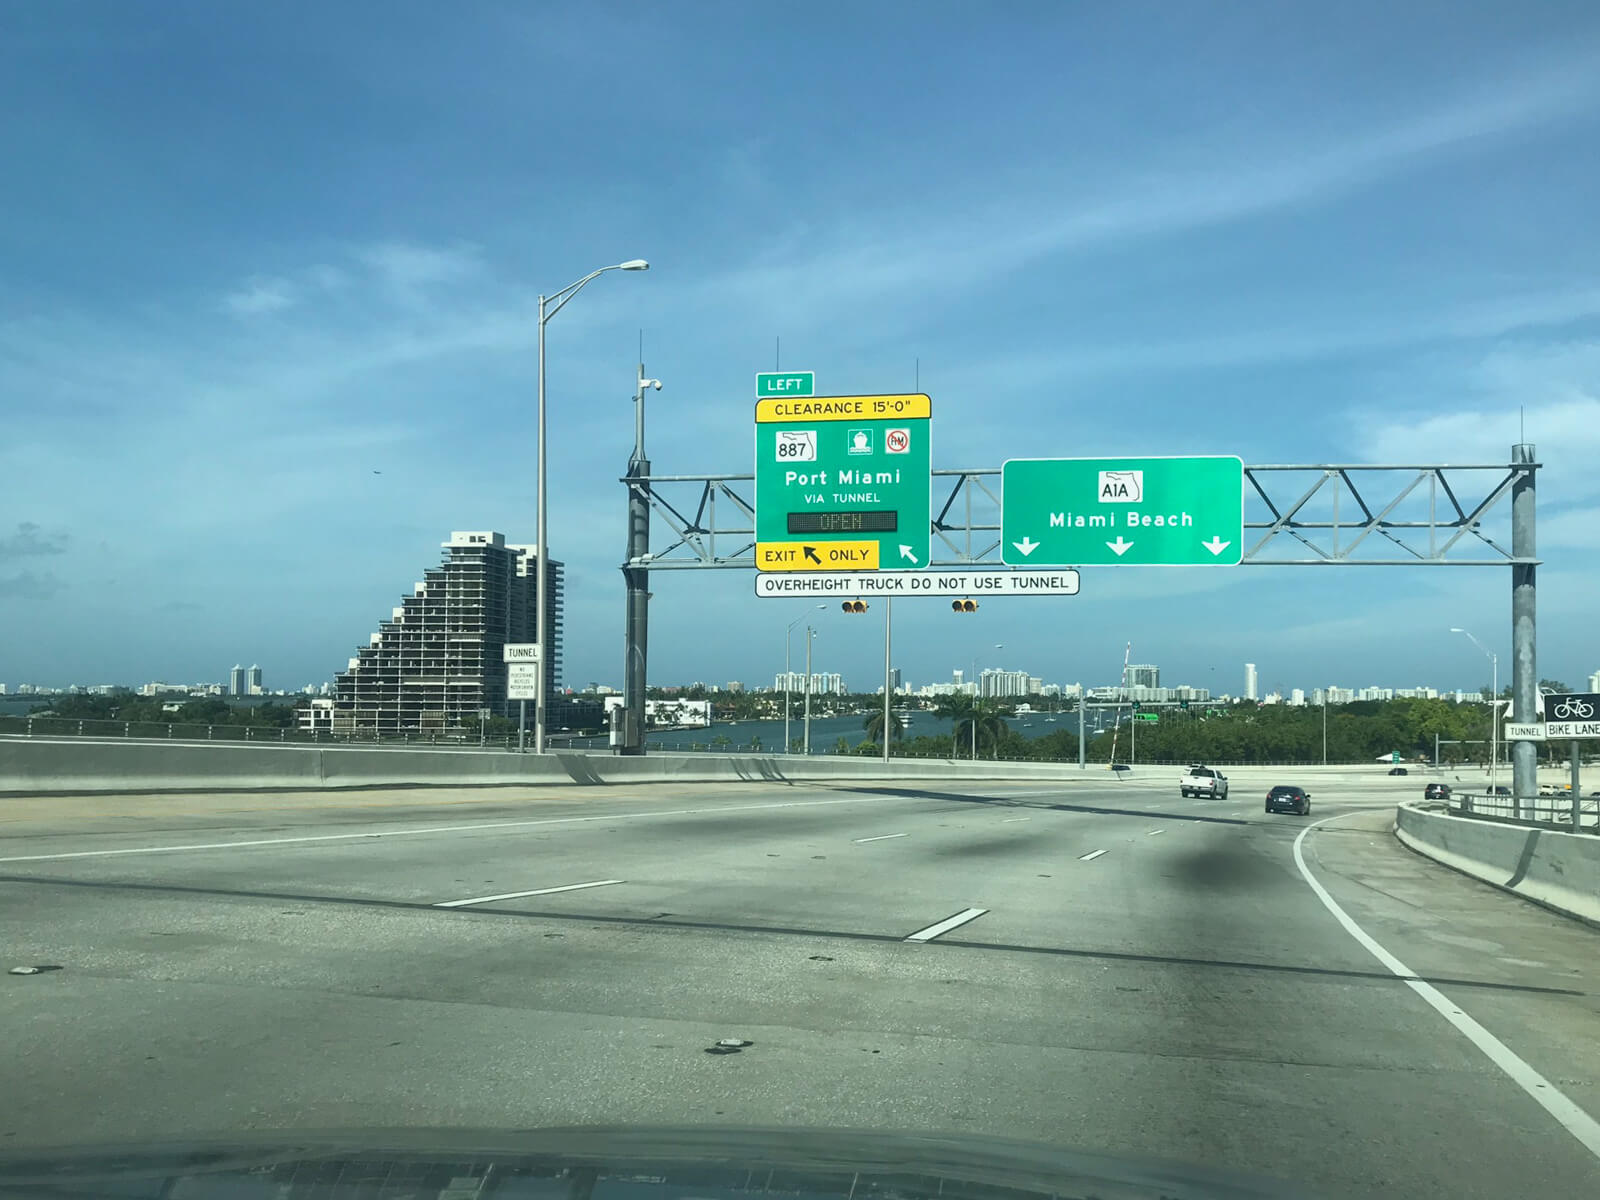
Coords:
pixel 882 837
pixel 566 887
pixel 1155 832
pixel 1549 1097
pixel 946 925
pixel 1009 820
pixel 340 837
pixel 1091 856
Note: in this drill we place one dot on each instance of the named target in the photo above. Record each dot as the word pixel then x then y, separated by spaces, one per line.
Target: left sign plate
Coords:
pixel 843 483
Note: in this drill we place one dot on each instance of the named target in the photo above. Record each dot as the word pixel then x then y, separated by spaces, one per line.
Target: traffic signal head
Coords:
pixel 963 606
pixel 854 606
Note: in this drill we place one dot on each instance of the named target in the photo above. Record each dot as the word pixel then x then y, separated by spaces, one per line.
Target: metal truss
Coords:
pixel 1295 515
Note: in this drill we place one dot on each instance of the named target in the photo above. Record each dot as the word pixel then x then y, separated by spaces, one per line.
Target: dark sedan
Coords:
pixel 1288 798
pixel 1436 791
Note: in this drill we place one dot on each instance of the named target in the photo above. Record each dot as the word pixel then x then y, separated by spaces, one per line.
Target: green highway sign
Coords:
pixel 1148 716
pixel 1173 512
pixel 786 383
pixel 843 483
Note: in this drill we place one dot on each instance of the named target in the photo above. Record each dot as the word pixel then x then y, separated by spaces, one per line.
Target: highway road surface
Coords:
pixel 1099 965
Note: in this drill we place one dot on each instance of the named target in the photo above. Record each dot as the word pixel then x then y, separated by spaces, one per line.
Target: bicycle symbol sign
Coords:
pixel 1572 716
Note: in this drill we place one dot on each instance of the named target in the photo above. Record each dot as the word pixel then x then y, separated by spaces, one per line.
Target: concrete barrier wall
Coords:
pixel 40 766
pixel 1558 870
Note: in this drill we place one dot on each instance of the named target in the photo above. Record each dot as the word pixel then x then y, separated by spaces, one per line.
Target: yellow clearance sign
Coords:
pixel 817 556
pixel 843 408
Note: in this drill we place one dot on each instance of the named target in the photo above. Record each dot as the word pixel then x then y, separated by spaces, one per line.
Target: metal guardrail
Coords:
pixel 58 727
pixel 1544 812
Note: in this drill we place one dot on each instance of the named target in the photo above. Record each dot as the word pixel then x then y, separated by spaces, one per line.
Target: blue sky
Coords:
pixel 254 254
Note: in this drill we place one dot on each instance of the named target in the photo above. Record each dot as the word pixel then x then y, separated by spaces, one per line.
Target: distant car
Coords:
pixel 1398 771
pixel 1436 791
pixel 1499 789
pixel 1121 767
pixel 1203 781
pixel 1288 798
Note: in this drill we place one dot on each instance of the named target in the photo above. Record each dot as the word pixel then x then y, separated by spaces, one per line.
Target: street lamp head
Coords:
pixel 1457 629
pixel 635 264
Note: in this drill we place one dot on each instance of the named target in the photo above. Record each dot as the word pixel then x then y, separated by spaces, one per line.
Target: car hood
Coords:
pixel 611 1163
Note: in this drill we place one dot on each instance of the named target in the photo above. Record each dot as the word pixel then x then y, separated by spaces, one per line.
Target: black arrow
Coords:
pixel 811 553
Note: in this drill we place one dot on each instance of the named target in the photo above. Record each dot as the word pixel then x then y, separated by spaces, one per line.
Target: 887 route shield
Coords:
pixel 843 482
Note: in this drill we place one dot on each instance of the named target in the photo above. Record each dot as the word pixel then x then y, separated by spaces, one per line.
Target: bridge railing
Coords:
pixel 1545 812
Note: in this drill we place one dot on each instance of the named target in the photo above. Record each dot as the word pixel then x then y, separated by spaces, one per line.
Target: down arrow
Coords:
pixel 1027 545
pixel 1120 547
pixel 1216 545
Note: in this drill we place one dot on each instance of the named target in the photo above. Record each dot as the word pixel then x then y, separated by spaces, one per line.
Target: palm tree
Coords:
pixel 965 711
pixel 874 727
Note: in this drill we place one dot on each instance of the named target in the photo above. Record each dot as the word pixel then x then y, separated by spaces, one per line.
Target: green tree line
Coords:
pixel 127 706
pixel 1244 732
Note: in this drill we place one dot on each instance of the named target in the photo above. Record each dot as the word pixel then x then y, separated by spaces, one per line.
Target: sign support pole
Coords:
pixel 1524 597
pixel 522 726
pixel 636 632
pixel 1577 792
pixel 888 681
pixel 1082 750
pixel 807 746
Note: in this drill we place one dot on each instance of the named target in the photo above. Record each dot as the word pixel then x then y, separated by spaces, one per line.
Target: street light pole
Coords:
pixel 549 306
pixel 788 648
pixel 1494 708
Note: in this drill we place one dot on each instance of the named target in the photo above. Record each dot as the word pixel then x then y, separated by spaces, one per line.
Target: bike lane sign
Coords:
pixel 1573 715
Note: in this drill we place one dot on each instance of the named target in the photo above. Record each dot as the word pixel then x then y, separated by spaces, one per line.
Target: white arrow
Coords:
pixel 1120 547
pixel 1027 545
pixel 908 552
pixel 1216 545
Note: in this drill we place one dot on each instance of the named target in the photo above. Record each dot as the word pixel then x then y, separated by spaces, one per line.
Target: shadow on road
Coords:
pixel 1047 806
pixel 666 919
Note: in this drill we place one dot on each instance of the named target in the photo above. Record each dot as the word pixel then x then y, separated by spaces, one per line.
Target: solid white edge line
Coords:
pixel 1551 1098
pixel 343 837
pixel 946 925
pixel 1009 820
pixel 882 837
pixel 1091 856
pixel 566 887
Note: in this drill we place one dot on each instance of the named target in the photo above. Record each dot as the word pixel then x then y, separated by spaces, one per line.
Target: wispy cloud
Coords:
pixel 261 296
pixel 30 585
pixel 31 539
pixel 408 272
pixel 970 238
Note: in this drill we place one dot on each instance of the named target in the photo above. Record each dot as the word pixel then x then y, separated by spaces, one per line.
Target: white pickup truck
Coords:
pixel 1203 781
